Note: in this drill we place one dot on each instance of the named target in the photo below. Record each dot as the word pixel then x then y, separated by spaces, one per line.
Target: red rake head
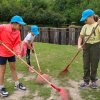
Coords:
pixel 40 80
pixel 62 73
pixel 63 93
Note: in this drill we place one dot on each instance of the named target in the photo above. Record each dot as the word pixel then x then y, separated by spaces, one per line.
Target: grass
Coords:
pixel 53 58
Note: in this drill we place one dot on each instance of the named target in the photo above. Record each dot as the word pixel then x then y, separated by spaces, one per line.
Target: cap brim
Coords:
pixel 83 19
pixel 36 33
pixel 21 23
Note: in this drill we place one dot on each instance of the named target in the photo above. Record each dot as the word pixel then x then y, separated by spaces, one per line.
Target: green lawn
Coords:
pixel 53 58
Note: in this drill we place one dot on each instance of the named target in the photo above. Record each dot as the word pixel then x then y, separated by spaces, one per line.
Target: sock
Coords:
pixel 1 86
pixel 16 83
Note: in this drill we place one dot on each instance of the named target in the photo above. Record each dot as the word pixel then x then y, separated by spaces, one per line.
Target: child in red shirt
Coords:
pixel 10 36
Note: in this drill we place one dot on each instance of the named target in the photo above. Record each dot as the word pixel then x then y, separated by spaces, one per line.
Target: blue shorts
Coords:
pixel 3 60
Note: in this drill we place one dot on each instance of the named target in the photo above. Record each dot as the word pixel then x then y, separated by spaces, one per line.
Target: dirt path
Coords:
pixel 73 90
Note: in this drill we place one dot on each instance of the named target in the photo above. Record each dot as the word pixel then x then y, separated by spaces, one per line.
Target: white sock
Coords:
pixel 16 83
pixel 1 86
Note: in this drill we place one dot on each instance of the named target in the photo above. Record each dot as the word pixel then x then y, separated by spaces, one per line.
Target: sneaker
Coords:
pixel 84 85
pixel 94 85
pixel 3 92
pixel 20 87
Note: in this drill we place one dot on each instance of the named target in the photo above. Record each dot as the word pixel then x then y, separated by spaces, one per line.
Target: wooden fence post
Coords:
pixel 63 36
pixel 44 37
pixel 56 36
pixel 72 36
pixel 77 33
pixel 51 36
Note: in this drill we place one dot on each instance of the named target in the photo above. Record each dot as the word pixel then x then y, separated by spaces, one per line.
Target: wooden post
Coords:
pixel 72 36
pixel 67 35
pixel 63 36
pixel 51 35
pixel 44 37
pixel 56 36
pixel 77 33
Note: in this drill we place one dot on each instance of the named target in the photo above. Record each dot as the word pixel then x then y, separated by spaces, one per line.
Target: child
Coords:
pixel 27 44
pixel 10 35
pixel 91 50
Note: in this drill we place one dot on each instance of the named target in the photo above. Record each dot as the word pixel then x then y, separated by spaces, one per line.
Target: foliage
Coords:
pixel 47 12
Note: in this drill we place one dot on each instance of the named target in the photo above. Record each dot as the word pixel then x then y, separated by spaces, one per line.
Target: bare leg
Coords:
pixel 2 72
pixel 15 78
pixel 13 71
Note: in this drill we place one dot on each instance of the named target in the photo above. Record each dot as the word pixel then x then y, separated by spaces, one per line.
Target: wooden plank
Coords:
pixel 45 36
pixel 51 35
pixel 72 36
pixel 63 36
pixel 77 33
pixel 56 36
pixel 67 35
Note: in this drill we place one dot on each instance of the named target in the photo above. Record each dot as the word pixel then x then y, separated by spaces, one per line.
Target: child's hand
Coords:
pixel 32 51
pixel 79 47
pixel 18 56
pixel 99 21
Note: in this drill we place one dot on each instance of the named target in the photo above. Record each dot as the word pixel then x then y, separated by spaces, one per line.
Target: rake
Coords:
pixel 62 92
pixel 63 72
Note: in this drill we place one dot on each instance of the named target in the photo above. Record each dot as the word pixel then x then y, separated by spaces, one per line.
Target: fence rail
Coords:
pixel 55 35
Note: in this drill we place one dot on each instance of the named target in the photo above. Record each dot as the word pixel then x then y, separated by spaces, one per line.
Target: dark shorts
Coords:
pixel 3 60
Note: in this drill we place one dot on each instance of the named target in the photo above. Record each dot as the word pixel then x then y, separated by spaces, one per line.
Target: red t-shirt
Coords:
pixel 11 38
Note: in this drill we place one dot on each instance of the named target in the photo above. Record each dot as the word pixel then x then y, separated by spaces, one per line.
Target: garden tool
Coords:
pixel 62 92
pixel 63 72
pixel 39 80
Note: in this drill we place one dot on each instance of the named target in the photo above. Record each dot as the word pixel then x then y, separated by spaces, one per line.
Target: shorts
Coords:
pixel 3 60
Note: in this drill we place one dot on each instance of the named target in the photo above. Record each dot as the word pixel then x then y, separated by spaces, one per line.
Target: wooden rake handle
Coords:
pixel 52 85
pixel 90 34
pixel 25 62
pixel 36 58
pixel 82 46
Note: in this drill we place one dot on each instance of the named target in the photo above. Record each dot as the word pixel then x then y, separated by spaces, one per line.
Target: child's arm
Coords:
pixel 99 21
pixel 29 44
pixel 80 39
pixel 1 29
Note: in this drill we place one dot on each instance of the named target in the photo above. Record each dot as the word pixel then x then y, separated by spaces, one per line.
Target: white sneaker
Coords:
pixel 20 87
pixel 3 92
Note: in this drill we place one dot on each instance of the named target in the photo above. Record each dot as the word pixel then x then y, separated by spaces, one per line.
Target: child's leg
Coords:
pixel 13 71
pixel 3 91
pixel 95 56
pixel 2 72
pixel 86 63
pixel 2 69
pixel 18 85
pixel 28 56
pixel 12 61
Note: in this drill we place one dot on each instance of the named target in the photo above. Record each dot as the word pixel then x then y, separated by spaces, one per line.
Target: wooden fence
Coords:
pixel 55 35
